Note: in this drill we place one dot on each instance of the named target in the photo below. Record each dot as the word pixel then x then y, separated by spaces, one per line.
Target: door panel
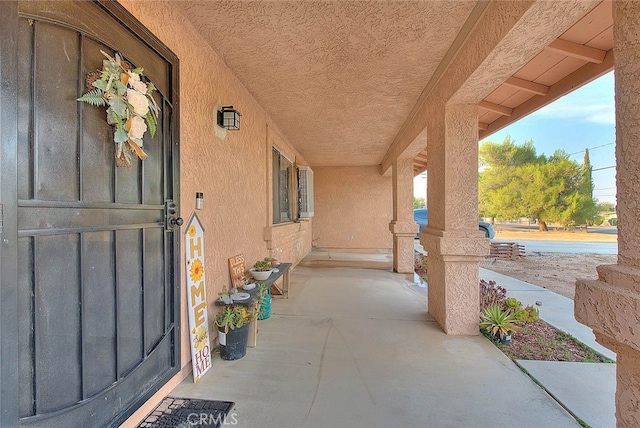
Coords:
pixel 56 321
pixel 129 300
pixel 96 267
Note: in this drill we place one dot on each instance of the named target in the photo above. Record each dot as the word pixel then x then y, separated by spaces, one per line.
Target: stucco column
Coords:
pixel 452 239
pixel 611 304
pixel 403 227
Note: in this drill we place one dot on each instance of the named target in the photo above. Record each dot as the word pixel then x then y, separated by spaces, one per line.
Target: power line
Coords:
pixel 596 147
pixel 604 167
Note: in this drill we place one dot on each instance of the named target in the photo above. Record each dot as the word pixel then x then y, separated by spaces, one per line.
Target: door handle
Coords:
pixel 171 218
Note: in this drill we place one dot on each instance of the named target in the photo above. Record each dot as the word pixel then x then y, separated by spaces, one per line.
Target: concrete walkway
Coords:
pixel 586 389
pixel 355 348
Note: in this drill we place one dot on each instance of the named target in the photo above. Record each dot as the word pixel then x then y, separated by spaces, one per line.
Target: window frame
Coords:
pixel 283 198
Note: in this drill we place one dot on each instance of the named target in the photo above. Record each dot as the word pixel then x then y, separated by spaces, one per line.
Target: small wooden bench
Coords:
pixel 283 271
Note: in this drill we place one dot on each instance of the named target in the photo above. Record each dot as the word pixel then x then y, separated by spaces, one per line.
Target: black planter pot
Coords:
pixel 235 343
pixel 506 339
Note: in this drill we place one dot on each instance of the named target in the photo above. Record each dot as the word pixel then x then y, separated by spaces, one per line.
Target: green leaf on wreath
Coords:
pixel 120 88
pixel 94 97
pixel 138 70
pixel 110 67
pixel 120 136
pixel 100 84
pixel 151 123
pixel 113 118
pixel 118 106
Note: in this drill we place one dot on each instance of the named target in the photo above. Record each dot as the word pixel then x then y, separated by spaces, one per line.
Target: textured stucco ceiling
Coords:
pixel 338 77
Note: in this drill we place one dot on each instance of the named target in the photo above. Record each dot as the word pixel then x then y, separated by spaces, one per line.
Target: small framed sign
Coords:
pixel 237 270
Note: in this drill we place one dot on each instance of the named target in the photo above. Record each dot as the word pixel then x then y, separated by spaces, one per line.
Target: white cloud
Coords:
pixel 593 103
pixel 589 111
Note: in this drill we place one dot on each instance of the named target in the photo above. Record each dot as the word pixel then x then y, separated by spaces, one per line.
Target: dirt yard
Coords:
pixel 555 271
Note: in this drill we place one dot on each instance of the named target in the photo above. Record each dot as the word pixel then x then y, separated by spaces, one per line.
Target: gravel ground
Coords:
pixel 556 271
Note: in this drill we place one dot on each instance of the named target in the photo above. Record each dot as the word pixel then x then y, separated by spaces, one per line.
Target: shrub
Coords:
pixel 498 322
pixel 528 315
pixel 421 266
pixel 491 294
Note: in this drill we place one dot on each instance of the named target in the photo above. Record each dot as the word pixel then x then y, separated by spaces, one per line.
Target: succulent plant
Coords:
pixel 498 322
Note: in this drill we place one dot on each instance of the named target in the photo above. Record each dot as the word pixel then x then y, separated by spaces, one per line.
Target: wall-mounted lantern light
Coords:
pixel 228 118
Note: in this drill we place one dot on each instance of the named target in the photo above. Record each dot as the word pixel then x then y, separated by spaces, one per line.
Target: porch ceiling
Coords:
pixel 341 78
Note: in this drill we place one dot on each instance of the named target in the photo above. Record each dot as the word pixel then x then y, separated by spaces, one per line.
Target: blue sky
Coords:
pixel 585 118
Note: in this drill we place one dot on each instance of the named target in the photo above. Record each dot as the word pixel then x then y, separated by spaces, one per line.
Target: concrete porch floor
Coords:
pixel 355 348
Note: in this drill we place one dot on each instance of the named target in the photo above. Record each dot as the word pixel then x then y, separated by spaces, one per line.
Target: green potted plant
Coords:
pixel 272 260
pixel 233 330
pixel 499 323
pixel 264 301
pixel 261 270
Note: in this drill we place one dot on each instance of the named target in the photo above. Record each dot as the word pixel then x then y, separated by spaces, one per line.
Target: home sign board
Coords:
pixel 197 298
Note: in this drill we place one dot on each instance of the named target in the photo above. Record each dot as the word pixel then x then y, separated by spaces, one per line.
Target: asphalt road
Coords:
pixel 566 246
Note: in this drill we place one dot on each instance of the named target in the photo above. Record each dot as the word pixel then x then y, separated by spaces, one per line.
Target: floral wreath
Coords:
pixel 130 105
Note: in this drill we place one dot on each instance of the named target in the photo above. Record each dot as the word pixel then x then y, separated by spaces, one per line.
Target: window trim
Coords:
pixel 276 201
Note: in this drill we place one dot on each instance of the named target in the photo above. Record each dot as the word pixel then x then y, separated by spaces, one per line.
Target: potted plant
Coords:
pixel 261 270
pixel 233 331
pixel 272 260
pixel 264 301
pixel 499 323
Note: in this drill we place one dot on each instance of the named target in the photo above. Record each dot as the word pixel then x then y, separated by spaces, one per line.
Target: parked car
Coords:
pixel 421 216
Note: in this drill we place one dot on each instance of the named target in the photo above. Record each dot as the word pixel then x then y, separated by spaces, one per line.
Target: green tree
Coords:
pixel 500 189
pixel 605 206
pixel 515 182
pixel 584 206
pixel 419 203
pixel 507 154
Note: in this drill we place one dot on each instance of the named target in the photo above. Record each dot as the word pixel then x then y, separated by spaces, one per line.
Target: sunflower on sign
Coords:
pixel 131 108
pixel 196 270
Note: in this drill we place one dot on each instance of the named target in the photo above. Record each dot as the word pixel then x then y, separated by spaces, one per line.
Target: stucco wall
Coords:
pixel 232 169
pixel 353 208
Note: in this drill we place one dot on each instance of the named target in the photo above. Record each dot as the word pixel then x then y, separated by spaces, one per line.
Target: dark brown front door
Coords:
pixel 90 321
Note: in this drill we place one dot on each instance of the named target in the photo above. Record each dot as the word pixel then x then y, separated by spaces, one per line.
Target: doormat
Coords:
pixel 187 412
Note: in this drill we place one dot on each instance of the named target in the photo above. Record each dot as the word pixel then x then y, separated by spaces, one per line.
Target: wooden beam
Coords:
pixel 420 161
pixel 575 50
pixel 496 108
pixel 483 126
pixel 526 85
pixel 582 76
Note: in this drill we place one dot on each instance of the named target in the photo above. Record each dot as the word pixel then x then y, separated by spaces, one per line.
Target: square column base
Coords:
pixel 404 234
pixel 453 268
pixel 610 305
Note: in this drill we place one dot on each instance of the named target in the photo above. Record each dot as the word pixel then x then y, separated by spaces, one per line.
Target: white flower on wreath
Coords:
pixel 138 101
pixel 137 129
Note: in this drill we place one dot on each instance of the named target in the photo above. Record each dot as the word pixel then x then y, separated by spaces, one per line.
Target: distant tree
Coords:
pixel 500 189
pixel 515 182
pixel 549 189
pixel 507 154
pixel 584 206
pixel 605 206
pixel 418 203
